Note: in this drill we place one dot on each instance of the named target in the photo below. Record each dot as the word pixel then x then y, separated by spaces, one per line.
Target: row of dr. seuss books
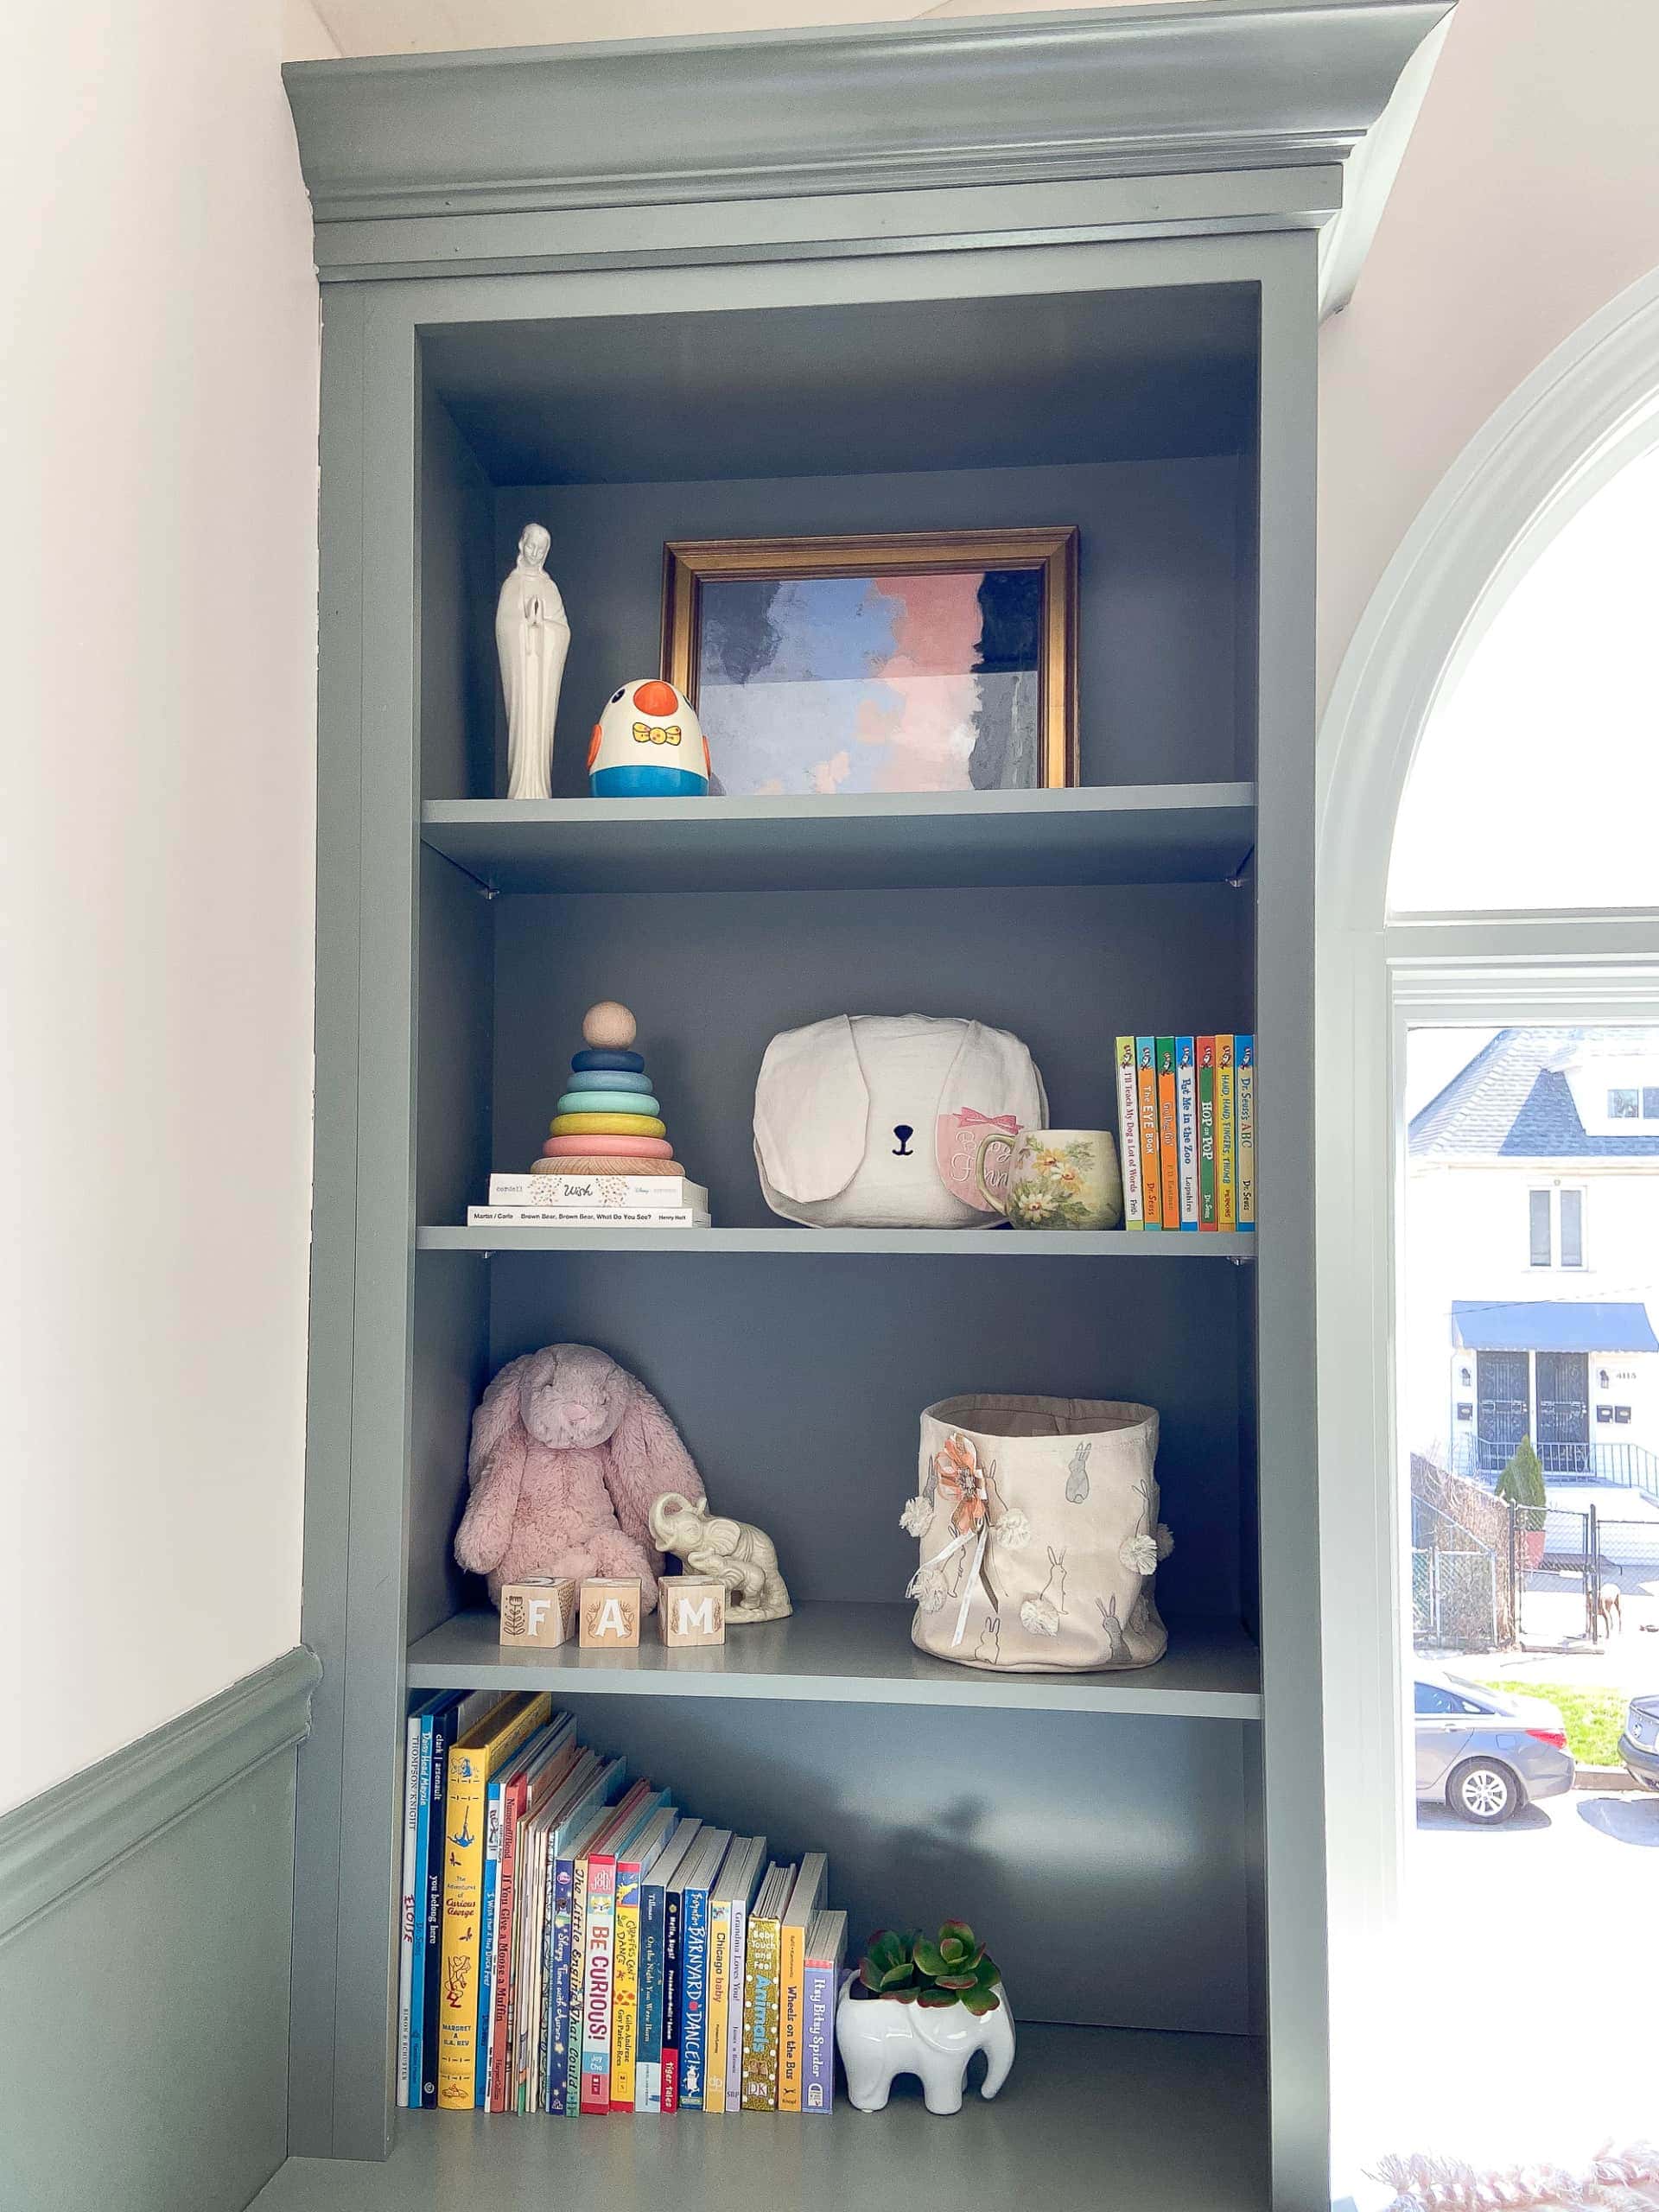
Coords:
pixel 573 1942
pixel 1186 1129
pixel 592 1202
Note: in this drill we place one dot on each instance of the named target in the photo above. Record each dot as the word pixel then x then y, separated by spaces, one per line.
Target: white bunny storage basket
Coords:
pixel 1038 1520
pixel 874 1121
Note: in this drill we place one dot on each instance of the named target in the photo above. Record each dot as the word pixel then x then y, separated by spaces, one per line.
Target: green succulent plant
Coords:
pixel 949 1968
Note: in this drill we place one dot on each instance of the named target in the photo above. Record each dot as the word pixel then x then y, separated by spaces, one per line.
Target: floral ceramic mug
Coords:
pixel 1057 1179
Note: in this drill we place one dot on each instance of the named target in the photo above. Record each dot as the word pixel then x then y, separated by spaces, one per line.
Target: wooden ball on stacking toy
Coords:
pixel 608 1027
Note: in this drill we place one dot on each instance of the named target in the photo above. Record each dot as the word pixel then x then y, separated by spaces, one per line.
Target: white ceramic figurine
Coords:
pixel 728 1552
pixel 531 639
pixel 878 2038
pixel 648 743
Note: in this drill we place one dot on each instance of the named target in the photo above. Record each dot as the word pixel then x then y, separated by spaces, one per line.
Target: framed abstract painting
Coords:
pixel 925 661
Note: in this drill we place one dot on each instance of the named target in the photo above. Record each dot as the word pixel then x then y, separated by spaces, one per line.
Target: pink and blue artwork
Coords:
pixel 921 682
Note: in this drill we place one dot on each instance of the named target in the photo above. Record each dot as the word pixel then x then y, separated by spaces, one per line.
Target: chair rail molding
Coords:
pixel 69 1834
pixel 1589 409
pixel 1235 114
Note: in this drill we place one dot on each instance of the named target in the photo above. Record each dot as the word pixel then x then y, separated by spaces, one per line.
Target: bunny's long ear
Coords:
pixel 495 1470
pixel 994 1074
pixel 811 1110
pixel 646 1457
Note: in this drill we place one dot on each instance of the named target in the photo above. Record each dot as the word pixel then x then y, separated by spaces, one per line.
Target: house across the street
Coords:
pixel 1534 1255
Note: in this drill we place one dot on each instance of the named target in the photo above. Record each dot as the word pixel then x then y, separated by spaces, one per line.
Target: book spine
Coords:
pixel 531 1193
pixel 1206 1052
pixel 406 1919
pixel 585 1217
pixel 512 1800
pixel 760 2018
pixel 556 2065
pixel 529 1888
pixel 1244 1120
pixel 1186 1118
pixel 463 1890
pixel 1169 1144
pixel 818 2040
pixel 578 1988
pixel 599 1985
pixel 792 2011
pixel 624 2012
pixel 648 2066
pixel 1128 1135
pixel 694 1996
pixel 1145 1083
pixel 735 1976
pixel 426 1920
pixel 715 2017
pixel 673 1927
pixel 1226 1138
pixel 444 1732
pixel 486 1948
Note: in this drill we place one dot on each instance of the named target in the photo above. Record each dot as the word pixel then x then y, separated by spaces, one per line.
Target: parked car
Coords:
pixel 1639 1745
pixel 1486 1752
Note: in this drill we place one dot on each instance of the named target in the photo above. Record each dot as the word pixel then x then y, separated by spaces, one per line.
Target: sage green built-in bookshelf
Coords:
pixel 1051 270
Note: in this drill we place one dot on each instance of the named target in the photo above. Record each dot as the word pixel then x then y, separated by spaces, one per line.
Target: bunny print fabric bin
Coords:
pixel 1038 1522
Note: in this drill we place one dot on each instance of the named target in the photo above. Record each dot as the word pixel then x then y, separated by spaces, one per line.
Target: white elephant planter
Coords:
pixel 878 2038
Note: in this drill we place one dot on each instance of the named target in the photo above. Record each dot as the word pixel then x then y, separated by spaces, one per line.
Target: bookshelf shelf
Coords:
pixel 1159 2120
pixel 828 1243
pixel 1130 834
pixel 848 1655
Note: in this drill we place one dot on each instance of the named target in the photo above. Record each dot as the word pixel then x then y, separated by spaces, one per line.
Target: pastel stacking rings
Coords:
pixel 609 1125
pixel 613 1148
pixel 607 1101
pixel 597 1058
pixel 608 1079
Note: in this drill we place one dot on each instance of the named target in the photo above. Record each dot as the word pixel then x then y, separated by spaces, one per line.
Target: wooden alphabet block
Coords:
pixel 538 1614
pixel 610 1613
pixel 690 1610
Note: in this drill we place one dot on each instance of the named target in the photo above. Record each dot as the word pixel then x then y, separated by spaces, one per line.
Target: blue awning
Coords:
pixel 1551 1324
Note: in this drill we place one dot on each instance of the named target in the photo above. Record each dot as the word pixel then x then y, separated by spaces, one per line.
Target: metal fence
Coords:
pixel 1455 1599
pixel 1628 1466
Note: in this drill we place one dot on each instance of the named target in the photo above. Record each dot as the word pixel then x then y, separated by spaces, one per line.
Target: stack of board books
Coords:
pixel 592 1202
pixel 1186 1132
pixel 573 1942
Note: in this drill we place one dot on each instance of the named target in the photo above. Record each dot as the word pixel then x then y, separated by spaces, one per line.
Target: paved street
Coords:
pixel 1535 2021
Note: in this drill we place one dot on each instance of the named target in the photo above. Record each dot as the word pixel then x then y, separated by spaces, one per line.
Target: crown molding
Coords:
pixel 436 142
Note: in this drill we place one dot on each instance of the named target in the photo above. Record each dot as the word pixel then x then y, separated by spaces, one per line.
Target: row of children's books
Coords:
pixel 573 1942
pixel 1186 1131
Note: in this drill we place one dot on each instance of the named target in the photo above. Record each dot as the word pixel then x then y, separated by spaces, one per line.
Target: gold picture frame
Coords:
pixel 1050 554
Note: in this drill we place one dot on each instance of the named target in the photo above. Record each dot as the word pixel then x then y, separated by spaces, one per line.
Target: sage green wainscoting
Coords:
pixel 146 1911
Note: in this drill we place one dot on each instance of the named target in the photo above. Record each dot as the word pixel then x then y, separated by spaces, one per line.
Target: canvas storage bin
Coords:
pixel 1038 1520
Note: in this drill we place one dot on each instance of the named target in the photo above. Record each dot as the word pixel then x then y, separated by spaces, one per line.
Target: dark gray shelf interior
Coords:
pixel 943 384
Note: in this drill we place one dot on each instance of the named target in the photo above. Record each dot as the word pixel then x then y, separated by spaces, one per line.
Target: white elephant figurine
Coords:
pixel 730 1552
pixel 878 2038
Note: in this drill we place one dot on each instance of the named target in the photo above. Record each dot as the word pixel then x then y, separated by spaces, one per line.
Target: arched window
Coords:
pixel 1488 1050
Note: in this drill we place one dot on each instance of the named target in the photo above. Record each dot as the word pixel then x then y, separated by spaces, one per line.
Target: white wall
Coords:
pixel 158 587
pixel 1528 198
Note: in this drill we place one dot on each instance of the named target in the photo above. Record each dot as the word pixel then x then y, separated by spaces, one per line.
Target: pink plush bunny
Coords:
pixel 567 1451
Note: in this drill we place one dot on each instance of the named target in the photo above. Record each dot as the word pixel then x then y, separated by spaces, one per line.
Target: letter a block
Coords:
pixel 540 1613
pixel 610 1613
pixel 690 1610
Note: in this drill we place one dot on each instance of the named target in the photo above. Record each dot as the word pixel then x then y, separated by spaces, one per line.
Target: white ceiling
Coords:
pixel 443 26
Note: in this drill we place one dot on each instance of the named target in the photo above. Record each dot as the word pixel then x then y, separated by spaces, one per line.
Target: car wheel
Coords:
pixel 1485 1791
